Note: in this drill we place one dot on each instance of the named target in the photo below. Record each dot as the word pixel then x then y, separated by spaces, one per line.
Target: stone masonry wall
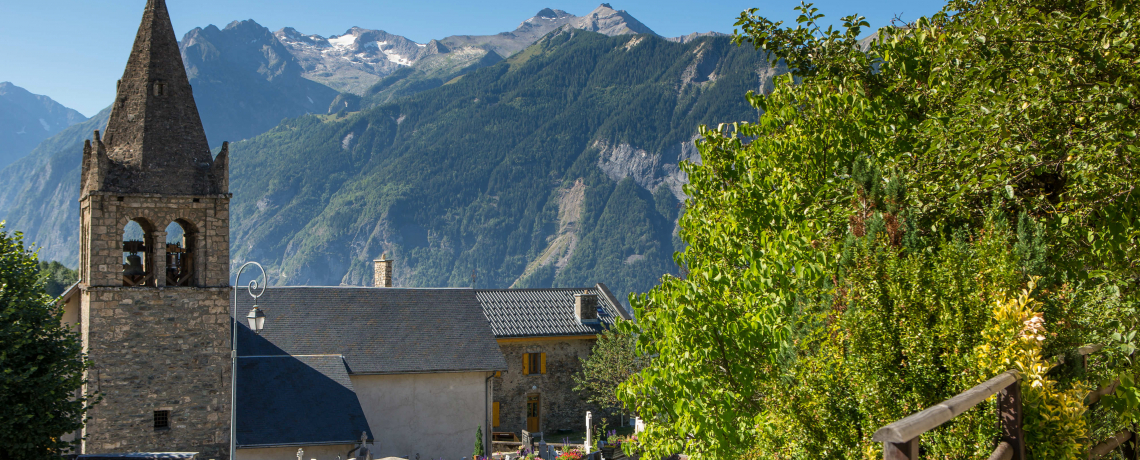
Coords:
pixel 152 349
pixel 103 217
pixel 560 408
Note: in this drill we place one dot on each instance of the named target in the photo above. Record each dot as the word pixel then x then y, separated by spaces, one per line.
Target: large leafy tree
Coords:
pixel 999 136
pixel 41 361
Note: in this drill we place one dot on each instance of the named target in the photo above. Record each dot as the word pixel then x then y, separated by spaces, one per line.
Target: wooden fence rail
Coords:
pixel 901 438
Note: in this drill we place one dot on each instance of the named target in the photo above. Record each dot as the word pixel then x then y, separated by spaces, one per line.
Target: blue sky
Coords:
pixel 74 50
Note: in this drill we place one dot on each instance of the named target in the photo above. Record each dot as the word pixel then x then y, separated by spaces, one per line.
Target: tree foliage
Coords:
pixel 41 362
pixel 57 277
pixel 846 252
pixel 611 362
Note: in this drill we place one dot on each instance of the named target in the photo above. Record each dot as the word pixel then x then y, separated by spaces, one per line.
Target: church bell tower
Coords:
pixel 154 307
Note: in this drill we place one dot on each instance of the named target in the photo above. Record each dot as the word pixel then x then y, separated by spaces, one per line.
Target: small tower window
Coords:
pixel 179 255
pixel 159 88
pixel 161 420
pixel 136 258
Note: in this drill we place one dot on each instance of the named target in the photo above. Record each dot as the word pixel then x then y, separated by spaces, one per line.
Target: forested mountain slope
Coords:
pixel 545 169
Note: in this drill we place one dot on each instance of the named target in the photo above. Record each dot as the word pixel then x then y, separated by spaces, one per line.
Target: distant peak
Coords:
pixel 606 5
pixel 248 24
pixel 546 13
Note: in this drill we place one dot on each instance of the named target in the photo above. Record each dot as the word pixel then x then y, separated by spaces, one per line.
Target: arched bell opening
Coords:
pixel 138 263
pixel 180 252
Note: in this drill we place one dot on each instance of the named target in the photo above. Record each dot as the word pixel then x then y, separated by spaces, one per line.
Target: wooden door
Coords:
pixel 532 413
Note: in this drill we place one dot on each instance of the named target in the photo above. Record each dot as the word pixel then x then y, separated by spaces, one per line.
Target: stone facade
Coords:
pixel 154 141
pixel 560 408
pixel 103 216
pixel 157 349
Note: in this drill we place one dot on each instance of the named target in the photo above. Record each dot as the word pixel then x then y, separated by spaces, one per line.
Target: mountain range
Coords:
pixel 543 156
pixel 27 119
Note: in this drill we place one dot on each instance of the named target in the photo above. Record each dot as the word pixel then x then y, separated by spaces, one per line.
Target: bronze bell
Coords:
pixel 134 266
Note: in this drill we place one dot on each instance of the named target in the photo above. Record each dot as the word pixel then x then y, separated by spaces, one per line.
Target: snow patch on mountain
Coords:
pixel 343 41
pixel 354 61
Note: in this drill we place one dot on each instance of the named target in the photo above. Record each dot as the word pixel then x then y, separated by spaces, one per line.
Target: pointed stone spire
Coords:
pixel 155 138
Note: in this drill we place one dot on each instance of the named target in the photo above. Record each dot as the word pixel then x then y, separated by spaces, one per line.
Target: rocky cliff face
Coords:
pixel 27 119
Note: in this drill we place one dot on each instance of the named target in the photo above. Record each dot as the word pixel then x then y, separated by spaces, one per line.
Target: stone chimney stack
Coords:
pixel 382 272
pixel 586 307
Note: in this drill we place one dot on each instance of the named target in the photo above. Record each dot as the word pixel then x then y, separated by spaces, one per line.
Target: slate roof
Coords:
pixel 297 400
pixel 545 312
pixel 140 456
pixel 377 330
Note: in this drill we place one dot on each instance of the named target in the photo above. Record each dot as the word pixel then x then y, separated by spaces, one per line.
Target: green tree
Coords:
pixel 883 155
pixel 478 442
pixel 41 361
pixel 57 277
pixel 612 360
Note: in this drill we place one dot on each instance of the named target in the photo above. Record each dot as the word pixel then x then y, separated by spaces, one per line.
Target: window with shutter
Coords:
pixel 526 363
pixel 495 414
pixel 536 363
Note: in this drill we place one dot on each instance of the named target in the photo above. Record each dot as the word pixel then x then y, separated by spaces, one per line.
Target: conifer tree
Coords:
pixel 478 442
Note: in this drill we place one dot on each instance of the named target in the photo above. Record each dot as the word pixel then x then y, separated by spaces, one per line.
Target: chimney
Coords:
pixel 382 272
pixel 586 307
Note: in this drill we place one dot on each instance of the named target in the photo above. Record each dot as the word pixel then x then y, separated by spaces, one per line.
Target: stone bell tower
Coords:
pixel 154 315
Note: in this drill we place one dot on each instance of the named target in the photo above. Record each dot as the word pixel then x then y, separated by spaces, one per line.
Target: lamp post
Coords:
pixel 256 319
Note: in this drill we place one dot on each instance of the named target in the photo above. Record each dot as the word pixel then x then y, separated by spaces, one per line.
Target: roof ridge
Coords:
pixel 539 289
pixel 445 288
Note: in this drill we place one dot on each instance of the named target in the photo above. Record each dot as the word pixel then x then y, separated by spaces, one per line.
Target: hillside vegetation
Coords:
pixel 559 164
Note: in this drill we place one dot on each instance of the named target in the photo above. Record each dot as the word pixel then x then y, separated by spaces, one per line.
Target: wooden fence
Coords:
pixel 901 438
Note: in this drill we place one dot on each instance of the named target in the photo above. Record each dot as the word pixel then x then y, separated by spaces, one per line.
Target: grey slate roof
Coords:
pixel 140 456
pixel 296 400
pixel 378 330
pixel 545 312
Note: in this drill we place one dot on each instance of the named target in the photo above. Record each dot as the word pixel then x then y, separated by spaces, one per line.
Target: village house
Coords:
pixel 544 333
pixel 411 367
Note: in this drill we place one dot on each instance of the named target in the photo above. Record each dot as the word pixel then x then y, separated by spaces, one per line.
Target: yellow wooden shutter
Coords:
pixel 526 363
pixel 543 359
pixel 495 412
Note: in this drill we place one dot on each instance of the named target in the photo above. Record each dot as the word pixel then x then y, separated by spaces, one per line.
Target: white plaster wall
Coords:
pixel 433 415
pixel 290 453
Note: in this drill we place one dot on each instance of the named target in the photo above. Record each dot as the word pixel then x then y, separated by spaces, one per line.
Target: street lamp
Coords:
pixel 256 319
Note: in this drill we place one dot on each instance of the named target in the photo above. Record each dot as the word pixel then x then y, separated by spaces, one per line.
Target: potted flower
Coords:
pixel 570 455
pixel 611 442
